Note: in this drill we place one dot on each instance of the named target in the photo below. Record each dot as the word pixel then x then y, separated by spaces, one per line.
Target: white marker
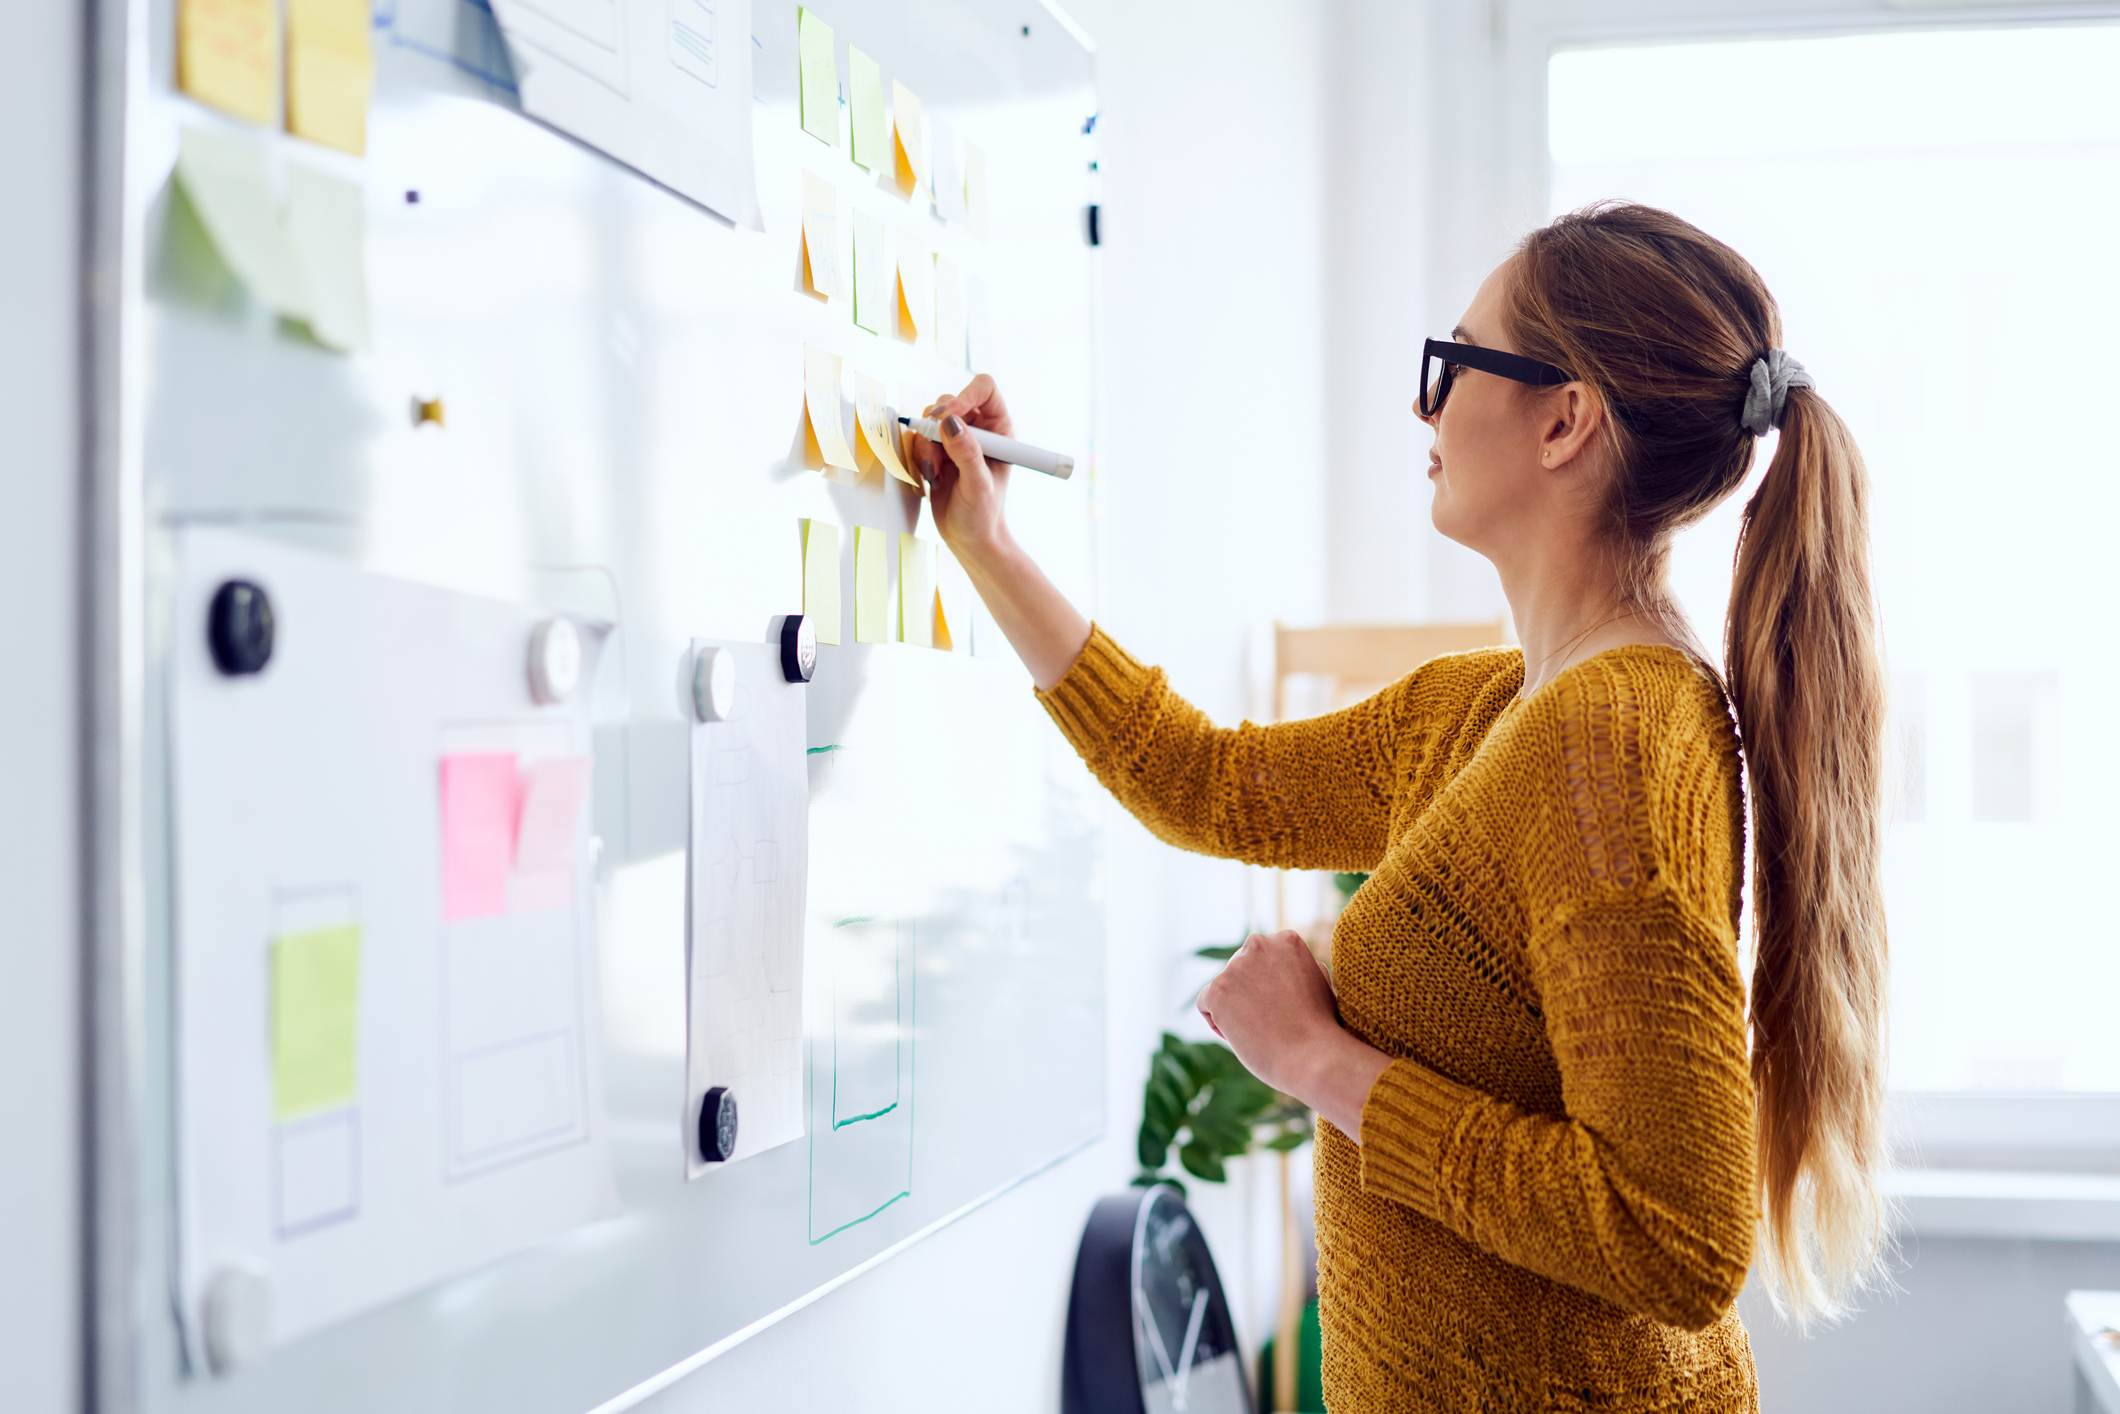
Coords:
pixel 1000 448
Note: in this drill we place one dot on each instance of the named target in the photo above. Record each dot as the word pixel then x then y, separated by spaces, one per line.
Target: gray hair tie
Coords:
pixel 1773 374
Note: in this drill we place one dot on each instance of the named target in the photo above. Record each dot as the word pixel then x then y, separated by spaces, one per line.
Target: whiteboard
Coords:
pixel 622 373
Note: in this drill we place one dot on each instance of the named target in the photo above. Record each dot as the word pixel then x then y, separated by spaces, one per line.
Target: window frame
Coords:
pixel 1506 86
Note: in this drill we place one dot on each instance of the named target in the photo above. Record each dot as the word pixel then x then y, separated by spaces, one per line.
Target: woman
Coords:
pixel 1543 1147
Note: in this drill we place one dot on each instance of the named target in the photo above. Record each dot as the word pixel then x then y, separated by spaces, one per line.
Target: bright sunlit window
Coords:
pixel 1936 214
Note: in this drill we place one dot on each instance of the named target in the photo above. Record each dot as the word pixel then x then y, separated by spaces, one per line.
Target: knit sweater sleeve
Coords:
pixel 1641 1191
pixel 1309 794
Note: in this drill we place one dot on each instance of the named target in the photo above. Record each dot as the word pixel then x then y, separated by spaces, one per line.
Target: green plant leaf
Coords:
pixel 1220 1133
pixel 1282 1143
pixel 1348 882
pixel 1202 1162
pixel 1152 1145
pixel 1218 952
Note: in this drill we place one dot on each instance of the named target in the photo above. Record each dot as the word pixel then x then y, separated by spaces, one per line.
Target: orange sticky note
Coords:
pixel 872 589
pixel 820 578
pixel 916 286
pixel 820 406
pixel 908 140
pixel 942 627
pixel 330 72
pixel 820 236
pixel 228 55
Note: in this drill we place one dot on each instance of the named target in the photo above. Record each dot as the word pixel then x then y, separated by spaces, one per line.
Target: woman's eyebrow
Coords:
pixel 1462 337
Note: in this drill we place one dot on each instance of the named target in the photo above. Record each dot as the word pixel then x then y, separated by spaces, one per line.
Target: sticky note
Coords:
pixel 820 236
pixel 330 72
pixel 909 142
pixel 479 804
pixel 316 1012
pixel 975 204
pixel 876 432
pixel 820 578
pixel 820 405
pixel 865 98
pixel 948 178
pixel 916 286
pixel 916 591
pixel 949 313
pixel 953 608
pixel 552 789
pixel 873 307
pixel 225 176
pixel 820 76
pixel 872 591
pixel 228 55
pixel 327 226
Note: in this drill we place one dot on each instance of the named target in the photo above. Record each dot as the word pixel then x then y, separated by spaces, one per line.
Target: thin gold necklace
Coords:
pixel 1520 694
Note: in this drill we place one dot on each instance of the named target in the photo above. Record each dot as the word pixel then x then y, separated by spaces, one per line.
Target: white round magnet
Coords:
pixel 713 684
pixel 238 1317
pixel 555 660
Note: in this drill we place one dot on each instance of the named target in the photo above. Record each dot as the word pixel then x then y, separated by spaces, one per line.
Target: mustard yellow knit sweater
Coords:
pixel 1552 1206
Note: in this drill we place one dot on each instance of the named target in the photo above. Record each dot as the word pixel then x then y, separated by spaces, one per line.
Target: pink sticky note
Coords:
pixel 553 791
pixel 479 803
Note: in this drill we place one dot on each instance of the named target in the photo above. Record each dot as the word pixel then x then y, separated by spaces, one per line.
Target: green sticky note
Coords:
pixel 820 77
pixel 820 578
pixel 316 992
pixel 872 135
pixel 872 589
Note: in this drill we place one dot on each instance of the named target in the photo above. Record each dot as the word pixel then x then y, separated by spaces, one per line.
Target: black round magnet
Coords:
pixel 239 628
pixel 798 648
pixel 717 1125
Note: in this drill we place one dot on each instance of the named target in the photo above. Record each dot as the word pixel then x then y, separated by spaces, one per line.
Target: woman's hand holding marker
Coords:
pixel 965 489
pixel 965 492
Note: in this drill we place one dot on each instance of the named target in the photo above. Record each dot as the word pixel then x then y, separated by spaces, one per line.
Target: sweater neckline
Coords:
pixel 1519 699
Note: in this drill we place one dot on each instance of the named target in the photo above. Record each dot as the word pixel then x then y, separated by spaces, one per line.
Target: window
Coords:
pixel 1934 211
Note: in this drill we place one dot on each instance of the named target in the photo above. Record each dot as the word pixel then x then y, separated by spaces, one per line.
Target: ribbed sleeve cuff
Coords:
pixel 1407 1123
pixel 1096 693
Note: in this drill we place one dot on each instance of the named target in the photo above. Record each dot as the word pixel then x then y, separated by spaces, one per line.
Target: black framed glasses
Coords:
pixel 1441 360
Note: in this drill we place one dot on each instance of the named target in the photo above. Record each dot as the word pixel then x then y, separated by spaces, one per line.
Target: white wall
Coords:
pixel 1213 518
pixel 40 69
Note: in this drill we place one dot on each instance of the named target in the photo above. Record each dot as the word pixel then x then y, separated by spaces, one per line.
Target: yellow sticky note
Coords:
pixel 865 101
pixel 330 72
pixel 820 578
pixel 820 76
pixel 949 313
pixel 872 274
pixel 916 591
pixel 225 176
pixel 820 236
pixel 909 144
pixel 228 54
pixel 876 432
pixel 953 609
pixel 872 588
pixel 820 406
pixel 316 1012
pixel 916 286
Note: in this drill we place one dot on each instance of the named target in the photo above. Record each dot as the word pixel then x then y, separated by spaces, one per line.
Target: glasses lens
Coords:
pixel 1435 383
